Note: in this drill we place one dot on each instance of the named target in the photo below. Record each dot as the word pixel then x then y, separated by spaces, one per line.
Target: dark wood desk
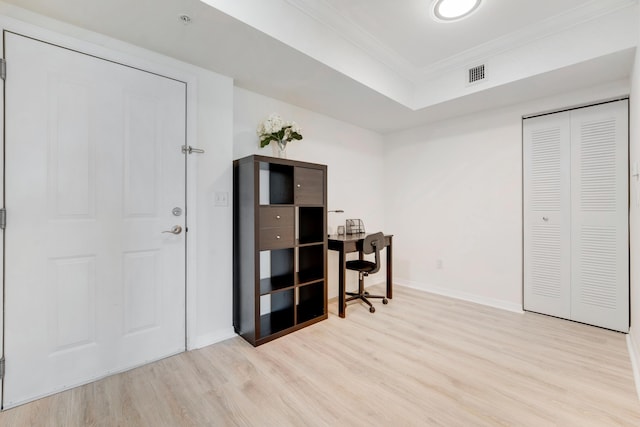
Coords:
pixel 345 244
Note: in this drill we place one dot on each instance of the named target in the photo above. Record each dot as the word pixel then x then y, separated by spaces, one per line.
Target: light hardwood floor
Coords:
pixel 422 360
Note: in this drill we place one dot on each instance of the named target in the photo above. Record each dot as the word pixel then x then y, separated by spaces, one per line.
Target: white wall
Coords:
pixel 634 217
pixel 213 231
pixel 210 104
pixel 354 159
pixel 454 193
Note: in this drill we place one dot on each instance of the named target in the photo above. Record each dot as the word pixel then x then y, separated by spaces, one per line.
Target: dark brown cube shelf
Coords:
pixel 280 246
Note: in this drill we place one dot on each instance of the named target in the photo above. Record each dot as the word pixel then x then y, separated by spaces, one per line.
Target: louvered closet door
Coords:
pixel 599 220
pixel 546 142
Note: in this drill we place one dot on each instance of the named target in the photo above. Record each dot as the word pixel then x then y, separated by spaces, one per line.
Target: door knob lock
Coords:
pixel 176 229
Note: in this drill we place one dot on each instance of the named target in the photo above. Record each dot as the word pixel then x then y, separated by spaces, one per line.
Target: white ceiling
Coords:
pixel 404 30
pixel 374 63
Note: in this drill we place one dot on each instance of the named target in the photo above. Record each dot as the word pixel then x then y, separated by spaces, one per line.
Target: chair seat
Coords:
pixel 361 265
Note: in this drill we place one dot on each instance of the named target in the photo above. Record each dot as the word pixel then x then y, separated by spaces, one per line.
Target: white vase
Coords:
pixel 280 149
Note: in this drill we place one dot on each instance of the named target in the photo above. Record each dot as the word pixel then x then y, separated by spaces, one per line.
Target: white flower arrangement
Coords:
pixel 276 129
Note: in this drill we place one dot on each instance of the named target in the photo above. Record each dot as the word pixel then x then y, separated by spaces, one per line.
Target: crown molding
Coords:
pixel 328 16
pixel 589 11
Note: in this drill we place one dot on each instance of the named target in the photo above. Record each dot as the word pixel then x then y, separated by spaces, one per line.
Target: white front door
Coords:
pixel 93 171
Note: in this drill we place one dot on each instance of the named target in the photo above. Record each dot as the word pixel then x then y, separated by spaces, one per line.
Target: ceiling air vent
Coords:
pixel 476 74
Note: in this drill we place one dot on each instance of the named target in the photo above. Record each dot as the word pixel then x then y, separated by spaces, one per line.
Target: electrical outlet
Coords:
pixel 439 264
pixel 221 198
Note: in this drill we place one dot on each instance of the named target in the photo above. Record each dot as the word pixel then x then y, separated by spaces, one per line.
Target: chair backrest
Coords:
pixel 373 243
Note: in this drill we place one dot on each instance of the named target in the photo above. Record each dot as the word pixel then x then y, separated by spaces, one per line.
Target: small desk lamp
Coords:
pixel 340 230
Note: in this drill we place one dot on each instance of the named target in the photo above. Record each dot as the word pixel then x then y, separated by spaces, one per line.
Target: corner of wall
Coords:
pixel 633 338
pixel 634 355
pixel 205 340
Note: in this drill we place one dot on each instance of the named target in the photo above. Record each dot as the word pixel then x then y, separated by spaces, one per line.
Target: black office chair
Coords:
pixel 372 243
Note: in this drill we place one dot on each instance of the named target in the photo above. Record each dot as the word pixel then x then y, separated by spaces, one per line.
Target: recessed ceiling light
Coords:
pixel 453 10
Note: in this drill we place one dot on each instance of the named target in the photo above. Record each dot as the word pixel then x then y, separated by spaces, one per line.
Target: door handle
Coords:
pixel 176 229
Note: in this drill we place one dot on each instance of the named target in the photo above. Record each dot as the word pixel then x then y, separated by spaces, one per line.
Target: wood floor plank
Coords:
pixel 421 360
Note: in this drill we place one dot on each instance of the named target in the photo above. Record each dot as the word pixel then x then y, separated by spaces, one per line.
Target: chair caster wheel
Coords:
pixel 366 293
pixel 385 301
pixel 372 310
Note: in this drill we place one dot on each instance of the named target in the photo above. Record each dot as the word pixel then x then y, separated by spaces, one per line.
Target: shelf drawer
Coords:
pixel 276 238
pixel 276 216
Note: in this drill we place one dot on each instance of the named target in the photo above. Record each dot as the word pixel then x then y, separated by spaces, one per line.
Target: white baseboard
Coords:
pixel 491 302
pixel 634 355
pixel 212 338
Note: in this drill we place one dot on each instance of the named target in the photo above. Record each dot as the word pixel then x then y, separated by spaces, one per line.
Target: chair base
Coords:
pixel 364 296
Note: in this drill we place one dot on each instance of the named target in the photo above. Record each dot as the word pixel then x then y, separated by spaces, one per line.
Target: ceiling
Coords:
pixel 374 63
pixel 405 30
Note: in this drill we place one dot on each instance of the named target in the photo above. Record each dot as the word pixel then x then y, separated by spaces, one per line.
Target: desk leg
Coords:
pixel 389 269
pixel 341 273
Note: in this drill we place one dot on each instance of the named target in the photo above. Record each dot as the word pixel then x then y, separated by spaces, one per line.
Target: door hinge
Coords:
pixel 3 69
pixel 190 150
pixel 2 368
pixel 3 219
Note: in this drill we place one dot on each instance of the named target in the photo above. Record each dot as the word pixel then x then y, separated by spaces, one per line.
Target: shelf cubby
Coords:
pixel 308 220
pixel 309 302
pixel 276 270
pixel 276 184
pixel 311 263
pixel 276 321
